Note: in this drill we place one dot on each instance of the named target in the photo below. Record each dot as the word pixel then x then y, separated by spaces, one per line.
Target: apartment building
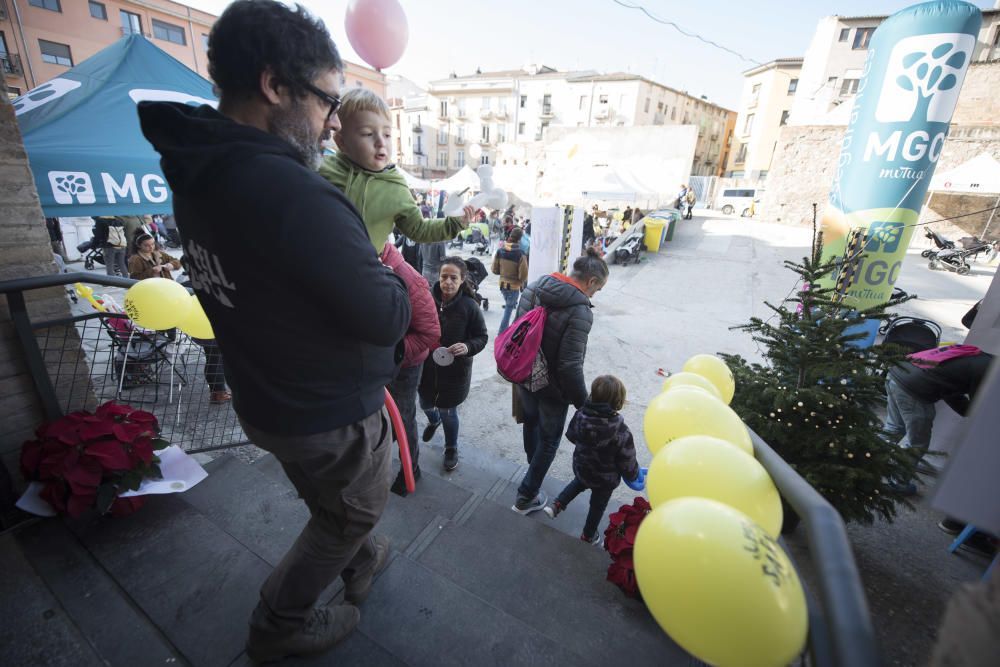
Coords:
pixel 833 63
pixel 480 118
pixel 40 39
pixel 768 93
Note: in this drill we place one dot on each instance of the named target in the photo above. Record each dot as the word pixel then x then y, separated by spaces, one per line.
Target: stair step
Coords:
pixel 555 585
pixel 36 630
pixel 194 581
pixel 425 618
pixel 101 610
pixel 357 649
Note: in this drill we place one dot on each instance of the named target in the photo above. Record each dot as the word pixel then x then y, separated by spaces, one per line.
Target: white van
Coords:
pixel 738 200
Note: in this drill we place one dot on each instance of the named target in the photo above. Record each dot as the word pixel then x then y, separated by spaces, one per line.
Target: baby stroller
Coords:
pixel 958 260
pixel 91 254
pixel 477 274
pixel 629 250
pixel 913 333
pixel 940 243
pixel 480 243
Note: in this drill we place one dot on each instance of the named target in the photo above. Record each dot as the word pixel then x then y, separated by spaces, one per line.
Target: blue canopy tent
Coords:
pixel 81 130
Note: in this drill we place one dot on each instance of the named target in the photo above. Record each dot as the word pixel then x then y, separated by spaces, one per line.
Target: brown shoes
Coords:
pixel 360 585
pixel 322 631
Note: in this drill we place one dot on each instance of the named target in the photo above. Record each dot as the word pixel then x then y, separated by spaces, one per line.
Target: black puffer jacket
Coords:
pixel 564 343
pixel 604 447
pixel 461 322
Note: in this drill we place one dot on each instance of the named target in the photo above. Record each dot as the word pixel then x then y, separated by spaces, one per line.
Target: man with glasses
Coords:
pixel 307 318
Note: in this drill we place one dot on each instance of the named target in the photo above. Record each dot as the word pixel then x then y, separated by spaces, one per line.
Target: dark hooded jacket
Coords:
pixel 461 322
pixel 564 342
pixel 605 451
pixel 309 322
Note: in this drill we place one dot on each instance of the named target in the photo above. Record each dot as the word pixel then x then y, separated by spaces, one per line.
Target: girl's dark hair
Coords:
pixel 139 240
pixel 608 389
pixel 463 270
pixel 255 35
pixel 515 235
pixel 590 265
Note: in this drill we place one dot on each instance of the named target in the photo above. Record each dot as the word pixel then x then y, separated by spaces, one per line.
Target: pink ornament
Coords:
pixel 377 30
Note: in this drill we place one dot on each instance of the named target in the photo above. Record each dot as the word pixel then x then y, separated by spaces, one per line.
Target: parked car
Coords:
pixel 739 199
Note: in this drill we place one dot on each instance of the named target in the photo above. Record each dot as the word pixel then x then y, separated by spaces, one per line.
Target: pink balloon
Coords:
pixel 377 30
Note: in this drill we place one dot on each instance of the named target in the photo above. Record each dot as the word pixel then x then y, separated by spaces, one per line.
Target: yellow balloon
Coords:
pixel 157 303
pixel 196 323
pixel 687 410
pixel 691 380
pixel 715 371
pixel 707 467
pixel 719 585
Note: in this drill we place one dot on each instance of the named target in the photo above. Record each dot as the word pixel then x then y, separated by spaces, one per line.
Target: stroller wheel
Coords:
pixel 932 265
pixel 88 264
pixel 926 253
pixel 963 270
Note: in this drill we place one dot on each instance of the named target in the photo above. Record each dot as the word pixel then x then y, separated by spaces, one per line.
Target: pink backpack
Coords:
pixel 934 356
pixel 518 351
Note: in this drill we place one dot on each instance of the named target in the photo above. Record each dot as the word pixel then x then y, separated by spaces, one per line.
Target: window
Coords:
pixel 442 160
pixel 754 93
pixel 169 32
pixel 443 135
pixel 546 104
pixel 486 134
pixel 204 41
pixel 55 53
pixel 861 37
pixel 748 125
pixel 784 118
pixel 603 99
pixel 832 82
pixel 98 10
pixel 844 34
pixel 849 86
pixel 460 159
pixel 460 138
pixel 793 85
pixel 3 44
pixel 520 129
pixel 419 150
pixel 501 133
pixel 673 114
pixel 583 102
pixel 646 106
pixel 51 5
pixel 486 104
pixel 485 159
pixel 13 91
pixel 741 157
pixel 444 109
pixel 131 23
pixel 524 101
pixel 659 107
pixel 541 130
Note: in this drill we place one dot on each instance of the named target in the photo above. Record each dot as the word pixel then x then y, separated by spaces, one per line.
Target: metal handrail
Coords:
pixel 60 279
pixel 842 597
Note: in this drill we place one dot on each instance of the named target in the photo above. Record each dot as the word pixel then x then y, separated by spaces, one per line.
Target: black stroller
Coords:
pixel 940 243
pixel 91 253
pixel 629 250
pixel 912 333
pixel 957 260
pixel 477 274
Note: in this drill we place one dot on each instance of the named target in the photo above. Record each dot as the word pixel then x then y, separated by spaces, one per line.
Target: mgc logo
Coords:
pixel 923 79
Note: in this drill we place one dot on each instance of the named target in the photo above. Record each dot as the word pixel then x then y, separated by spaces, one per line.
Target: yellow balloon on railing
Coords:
pixel 196 323
pixel 87 292
pixel 157 303
pixel 719 585
pixel 716 371
pixel 686 410
pixel 707 467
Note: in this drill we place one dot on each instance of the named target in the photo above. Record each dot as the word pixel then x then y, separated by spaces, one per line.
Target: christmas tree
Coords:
pixel 816 399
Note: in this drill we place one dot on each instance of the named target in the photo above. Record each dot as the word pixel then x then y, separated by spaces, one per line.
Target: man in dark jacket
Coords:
pixel 912 389
pixel 310 322
pixel 566 300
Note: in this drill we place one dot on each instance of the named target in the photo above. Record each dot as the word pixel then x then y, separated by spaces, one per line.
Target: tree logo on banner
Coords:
pixel 72 187
pixel 43 94
pixel 925 75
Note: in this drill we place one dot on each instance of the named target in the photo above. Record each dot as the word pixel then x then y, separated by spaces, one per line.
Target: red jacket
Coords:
pixel 424 333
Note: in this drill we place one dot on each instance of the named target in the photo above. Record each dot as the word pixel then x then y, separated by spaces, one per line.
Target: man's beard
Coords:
pixel 293 126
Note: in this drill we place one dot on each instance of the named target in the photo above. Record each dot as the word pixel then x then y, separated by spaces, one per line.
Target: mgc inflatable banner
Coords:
pixel 916 64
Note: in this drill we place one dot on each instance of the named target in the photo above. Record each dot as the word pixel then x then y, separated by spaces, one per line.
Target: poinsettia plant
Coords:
pixel 86 460
pixel 619 540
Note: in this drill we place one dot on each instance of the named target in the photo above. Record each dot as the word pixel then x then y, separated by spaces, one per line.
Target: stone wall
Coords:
pixel 24 251
pixel 805 158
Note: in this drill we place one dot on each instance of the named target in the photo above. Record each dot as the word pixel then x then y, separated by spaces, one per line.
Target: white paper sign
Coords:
pixel 546 241
pixel 180 473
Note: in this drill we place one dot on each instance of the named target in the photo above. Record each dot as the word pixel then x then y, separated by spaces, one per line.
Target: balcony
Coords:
pixel 602 114
pixel 459 141
pixel 442 140
pixel 501 114
pixel 11 64
pixel 485 141
pixel 546 112
pixel 485 114
pixel 417 127
pixel 460 114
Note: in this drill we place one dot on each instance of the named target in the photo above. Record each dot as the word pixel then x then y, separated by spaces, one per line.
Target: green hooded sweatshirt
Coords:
pixel 384 200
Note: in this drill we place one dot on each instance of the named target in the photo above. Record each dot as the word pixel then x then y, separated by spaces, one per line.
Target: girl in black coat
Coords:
pixel 463 333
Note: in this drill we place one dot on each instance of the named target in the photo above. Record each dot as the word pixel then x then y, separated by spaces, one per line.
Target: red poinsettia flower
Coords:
pixel 142 451
pixel 622 574
pixel 143 417
pixel 56 493
pixel 31 456
pixel 126 506
pixel 110 410
pixel 85 476
pixel 91 431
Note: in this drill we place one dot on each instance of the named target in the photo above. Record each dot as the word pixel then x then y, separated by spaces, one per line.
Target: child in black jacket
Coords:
pixel 604 454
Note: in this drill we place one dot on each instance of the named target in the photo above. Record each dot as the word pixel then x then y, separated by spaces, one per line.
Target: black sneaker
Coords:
pixel 399 484
pixel 429 431
pixel 597 540
pixel 450 458
pixel 525 506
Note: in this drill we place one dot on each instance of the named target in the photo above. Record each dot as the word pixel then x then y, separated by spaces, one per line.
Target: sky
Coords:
pixel 460 35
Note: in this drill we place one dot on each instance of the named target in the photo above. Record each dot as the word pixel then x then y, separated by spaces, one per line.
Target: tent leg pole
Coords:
pixel 988 222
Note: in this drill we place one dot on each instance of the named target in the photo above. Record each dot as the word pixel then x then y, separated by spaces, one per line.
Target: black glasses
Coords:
pixel 332 100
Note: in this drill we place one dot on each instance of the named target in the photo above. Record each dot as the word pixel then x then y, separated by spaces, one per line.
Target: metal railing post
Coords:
pixel 33 356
